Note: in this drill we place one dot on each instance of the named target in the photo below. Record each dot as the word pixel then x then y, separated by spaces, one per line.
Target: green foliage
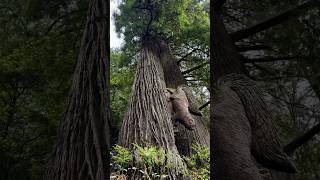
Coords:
pixel 121 83
pixel 150 161
pixel 121 157
pixel 35 72
pixel 150 155
pixel 199 162
pixel 154 163
pixel 182 21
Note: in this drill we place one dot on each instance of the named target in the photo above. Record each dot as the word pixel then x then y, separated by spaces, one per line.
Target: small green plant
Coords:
pixel 198 163
pixel 121 158
pixel 150 161
pixel 155 163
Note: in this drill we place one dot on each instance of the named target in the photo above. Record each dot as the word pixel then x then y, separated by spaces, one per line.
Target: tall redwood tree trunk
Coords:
pixel 83 135
pixel 147 120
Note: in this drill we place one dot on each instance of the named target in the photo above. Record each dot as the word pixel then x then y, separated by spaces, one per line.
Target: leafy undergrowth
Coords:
pixel 154 163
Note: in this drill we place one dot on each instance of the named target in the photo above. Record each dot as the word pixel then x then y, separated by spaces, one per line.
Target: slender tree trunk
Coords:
pixel 226 59
pixel 173 76
pixel 83 135
pixel 147 121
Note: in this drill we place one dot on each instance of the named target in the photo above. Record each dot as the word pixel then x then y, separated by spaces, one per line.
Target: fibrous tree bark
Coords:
pixel 173 76
pixel 83 135
pixel 147 120
pixel 244 140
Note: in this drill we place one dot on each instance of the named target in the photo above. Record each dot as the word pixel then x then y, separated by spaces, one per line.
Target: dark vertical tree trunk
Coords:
pixel 244 140
pixel 224 54
pixel 83 135
pixel 173 76
pixel 147 120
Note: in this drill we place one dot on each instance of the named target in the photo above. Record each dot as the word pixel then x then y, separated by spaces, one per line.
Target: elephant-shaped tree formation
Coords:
pixel 178 107
pixel 184 138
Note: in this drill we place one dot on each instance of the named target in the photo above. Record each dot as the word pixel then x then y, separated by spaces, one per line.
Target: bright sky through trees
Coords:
pixel 115 41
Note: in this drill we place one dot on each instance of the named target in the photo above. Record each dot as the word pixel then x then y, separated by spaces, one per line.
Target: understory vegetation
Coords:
pixel 150 162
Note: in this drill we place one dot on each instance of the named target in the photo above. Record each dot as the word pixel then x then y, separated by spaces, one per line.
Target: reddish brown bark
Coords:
pixel 147 120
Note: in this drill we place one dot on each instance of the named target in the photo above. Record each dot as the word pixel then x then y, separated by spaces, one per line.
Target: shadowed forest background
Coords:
pixel 40 42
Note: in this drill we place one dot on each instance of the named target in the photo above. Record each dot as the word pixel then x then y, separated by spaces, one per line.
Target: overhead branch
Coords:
pixel 245 33
pixel 269 59
pixel 187 55
pixel 195 68
pixel 188 76
pixel 254 47
pixel 299 141
pixel 62 17
pixel 263 69
pixel 276 78
pixel 203 106
pixel 195 80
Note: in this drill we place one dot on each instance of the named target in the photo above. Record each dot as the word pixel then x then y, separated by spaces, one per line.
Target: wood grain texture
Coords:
pixel 84 135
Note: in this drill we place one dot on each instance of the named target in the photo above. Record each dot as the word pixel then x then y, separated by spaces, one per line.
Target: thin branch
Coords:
pixel 254 47
pixel 188 76
pixel 195 68
pixel 187 55
pixel 32 139
pixel 263 69
pixel 203 106
pixel 299 141
pixel 61 17
pixel 276 78
pixel 245 33
pixel 268 59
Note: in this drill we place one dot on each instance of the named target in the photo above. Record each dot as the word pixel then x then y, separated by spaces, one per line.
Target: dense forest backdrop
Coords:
pixel 40 43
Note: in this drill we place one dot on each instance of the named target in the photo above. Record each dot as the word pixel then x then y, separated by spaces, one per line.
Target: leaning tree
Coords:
pixel 83 136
